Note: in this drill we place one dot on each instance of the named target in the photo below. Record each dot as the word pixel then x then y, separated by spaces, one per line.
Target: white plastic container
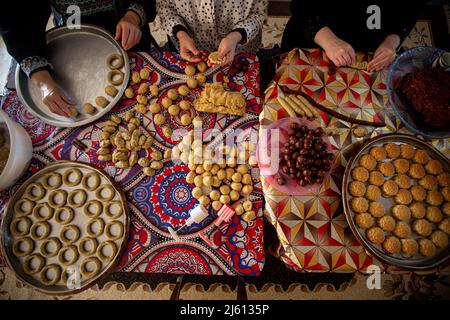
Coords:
pixel 21 150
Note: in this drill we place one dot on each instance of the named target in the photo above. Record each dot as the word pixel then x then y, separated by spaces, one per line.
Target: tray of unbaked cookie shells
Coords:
pixel 64 228
pixel 89 66
pixel 396 195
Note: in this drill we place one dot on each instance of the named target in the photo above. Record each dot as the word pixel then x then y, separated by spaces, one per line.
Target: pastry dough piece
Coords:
pixel 215 99
pixel 115 61
pixel 111 91
pixel 213 58
pixel 90 267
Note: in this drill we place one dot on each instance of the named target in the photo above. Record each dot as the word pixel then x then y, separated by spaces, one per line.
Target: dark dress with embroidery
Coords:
pixel 348 20
pixel 24 34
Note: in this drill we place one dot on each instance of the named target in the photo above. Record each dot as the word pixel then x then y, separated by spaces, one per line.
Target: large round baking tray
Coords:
pixel 78 57
pixel 408 263
pixel 7 239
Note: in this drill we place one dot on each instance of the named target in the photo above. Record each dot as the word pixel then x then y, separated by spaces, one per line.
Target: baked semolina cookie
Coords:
pixel 360 174
pixel 376 209
pixel 434 167
pixel 390 188
pixel 429 182
pixel 403 197
pixel 407 151
pixel 421 156
pixel 364 220
pixel 367 161
pixel 446 193
pixel 392 150
pixel 446 208
pixel 373 193
pixel 387 223
pixel 445 225
pixel 357 188
pixel 439 238
pixel 418 210
pixel 376 178
pixel 427 248
pixel 434 214
pixel 379 153
pixel 418 193
pixel 359 205
pixel 375 235
pixel 392 245
pixel 401 166
pixel 434 198
pixel 402 230
pixel 401 212
pixel 444 179
pixel 422 227
pixel 416 171
pixel 386 168
pixel 403 181
pixel 409 246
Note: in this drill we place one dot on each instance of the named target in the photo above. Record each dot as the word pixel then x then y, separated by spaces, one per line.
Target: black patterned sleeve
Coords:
pixel 145 9
pixel 23 30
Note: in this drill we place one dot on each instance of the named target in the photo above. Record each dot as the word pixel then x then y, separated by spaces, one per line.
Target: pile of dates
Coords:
pixel 304 156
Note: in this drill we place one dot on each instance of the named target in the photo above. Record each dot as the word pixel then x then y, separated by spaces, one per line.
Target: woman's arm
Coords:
pixel 253 24
pixel 145 10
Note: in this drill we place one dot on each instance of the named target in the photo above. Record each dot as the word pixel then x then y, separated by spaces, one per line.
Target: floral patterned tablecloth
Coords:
pixel 312 228
pixel 155 203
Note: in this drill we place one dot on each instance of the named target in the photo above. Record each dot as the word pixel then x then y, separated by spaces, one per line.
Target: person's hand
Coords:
pixel 337 50
pixel 188 51
pixel 52 95
pixel 128 31
pixel 227 47
pixel 385 54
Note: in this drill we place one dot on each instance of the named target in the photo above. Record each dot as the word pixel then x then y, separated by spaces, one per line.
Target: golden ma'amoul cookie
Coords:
pixel 102 102
pixel 367 161
pixel 434 167
pixel 376 178
pixel 373 193
pixel 409 246
pixel 446 193
pixel 434 214
pixel 402 230
pixel 392 245
pixel 364 220
pixel 375 235
pixel 439 238
pixel 190 70
pixel 386 168
pixel 421 156
pixel 418 210
pixel 403 181
pixel 429 182
pixel 416 171
pixel 359 205
pixel 390 188
pixel 376 209
pixel 427 247
pixel 434 198
pixel 444 179
pixel 418 193
pixel 446 208
pixel 357 189
pixel 407 151
pixel 401 166
pixel 387 223
pixel 445 225
pixel 422 227
pixel 403 197
pixel 392 150
pixel 360 174
pixel 401 212
pixel 379 153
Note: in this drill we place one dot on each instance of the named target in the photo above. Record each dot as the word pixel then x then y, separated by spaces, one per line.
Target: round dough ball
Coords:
pixel 401 166
pixel 375 235
pixel 392 150
pixel 386 168
pixel 166 102
pixel 434 214
pixel 401 212
pixel 201 78
pixel 214 195
pixel 403 197
pixel 190 177
pixel 402 230
pixel 439 238
pixel 225 189
pixel 359 205
pixel 373 193
pixel 202 67
pixel 376 209
pixel 217 205
pixel 407 151
pixel 172 94
pixel 367 161
pixel 73 112
pixel 418 193
pixel 416 171
pixel 246 190
pixel 155 108
pixel 364 220
pixel 185 105
pixel 111 91
pixel 236 177
pixel 248 205
pixel 403 181
pixel 234 195
pixel 360 174
pixel 129 93
pixel 167 132
pixel 143 88
pixel 409 246
pixel 207 181
pixel 204 201
pixel 144 74
pixel 154 90
pixel 357 189
pixel 392 245
pixel 159 119
pixel 247 179
pixel 198 181
pixel 102 102
pixel 422 227
pixel 186 120
pixel 197 192
pixel 390 188
pixel 183 90
pixel 88 108
pixel 189 70
pixel 174 110
pixel 378 153
pixel 135 77
pixel 192 83
pixel 427 247
pixel 387 223
pixel 434 198
pixel 225 199
pixel 376 178
pixel 421 157
pixel 417 210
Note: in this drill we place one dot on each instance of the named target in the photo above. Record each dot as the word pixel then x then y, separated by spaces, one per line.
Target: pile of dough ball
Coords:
pixel 4 151
pixel 417 191
pixel 217 182
pixel 245 210
pixel 122 146
pixel 68 218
